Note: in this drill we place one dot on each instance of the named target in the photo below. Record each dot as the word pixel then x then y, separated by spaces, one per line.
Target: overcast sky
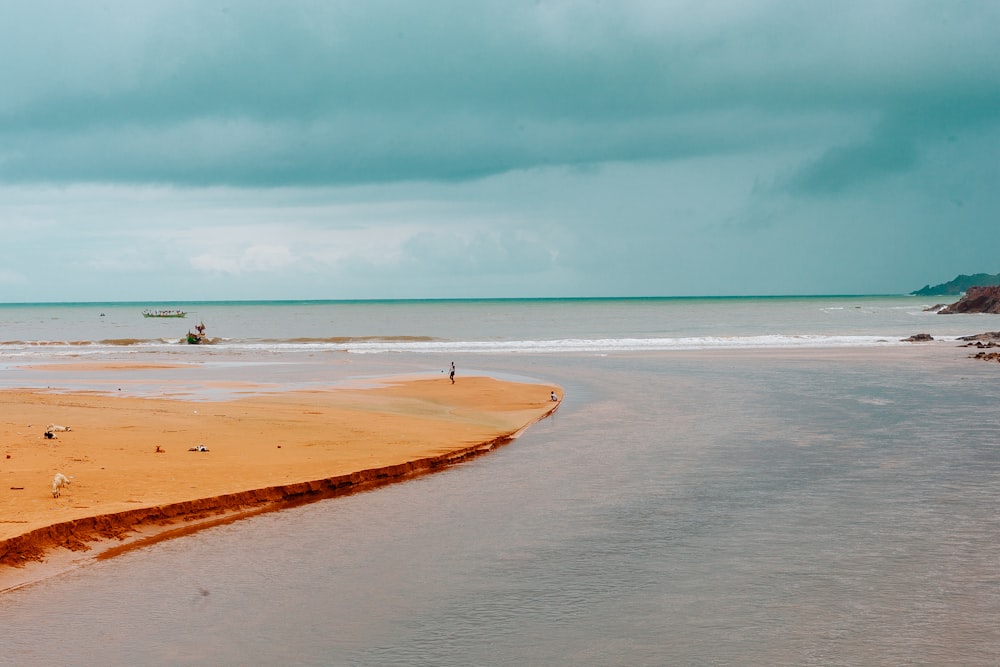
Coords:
pixel 366 149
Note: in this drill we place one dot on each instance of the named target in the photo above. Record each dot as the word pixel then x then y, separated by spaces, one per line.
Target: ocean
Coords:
pixel 740 481
pixel 469 326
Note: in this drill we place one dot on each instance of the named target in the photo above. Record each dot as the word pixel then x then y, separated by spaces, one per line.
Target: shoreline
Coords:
pixel 265 453
pixel 33 556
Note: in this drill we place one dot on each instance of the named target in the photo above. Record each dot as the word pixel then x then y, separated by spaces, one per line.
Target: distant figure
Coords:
pixel 58 482
pixel 451 375
pixel 554 397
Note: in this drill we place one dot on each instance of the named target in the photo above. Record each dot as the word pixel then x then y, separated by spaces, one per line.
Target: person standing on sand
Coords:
pixel 451 375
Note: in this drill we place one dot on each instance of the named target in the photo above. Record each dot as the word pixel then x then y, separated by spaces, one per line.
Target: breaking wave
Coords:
pixel 430 345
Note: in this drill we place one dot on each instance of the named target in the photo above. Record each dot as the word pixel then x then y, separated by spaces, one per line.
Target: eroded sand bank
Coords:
pixel 264 451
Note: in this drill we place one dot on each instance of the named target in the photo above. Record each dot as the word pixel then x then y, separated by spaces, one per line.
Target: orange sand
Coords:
pixel 265 451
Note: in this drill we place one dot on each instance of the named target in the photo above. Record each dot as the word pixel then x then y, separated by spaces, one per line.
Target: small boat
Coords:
pixel 196 337
pixel 163 313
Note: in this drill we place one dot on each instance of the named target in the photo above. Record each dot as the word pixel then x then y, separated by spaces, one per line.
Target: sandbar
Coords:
pixel 134 478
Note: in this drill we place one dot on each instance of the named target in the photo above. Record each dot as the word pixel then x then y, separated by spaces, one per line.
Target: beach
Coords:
pixel 142 467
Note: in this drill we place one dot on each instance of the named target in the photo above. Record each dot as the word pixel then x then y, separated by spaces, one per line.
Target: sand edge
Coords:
pixel 107 535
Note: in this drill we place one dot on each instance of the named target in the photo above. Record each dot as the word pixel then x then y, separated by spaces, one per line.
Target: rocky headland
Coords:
pixel 959 285
pixel 978 299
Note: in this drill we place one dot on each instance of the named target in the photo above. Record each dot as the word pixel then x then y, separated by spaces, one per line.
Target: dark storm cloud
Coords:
pixel 264 94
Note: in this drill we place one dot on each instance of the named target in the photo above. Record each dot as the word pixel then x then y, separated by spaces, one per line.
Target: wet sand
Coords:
pixel 133 478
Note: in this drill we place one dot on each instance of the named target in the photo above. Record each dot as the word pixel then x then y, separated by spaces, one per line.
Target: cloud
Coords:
pixel 341 149
pixel 480 251
pixel 253 259
pixel 254 94
pixel 889 150
pixel 897 142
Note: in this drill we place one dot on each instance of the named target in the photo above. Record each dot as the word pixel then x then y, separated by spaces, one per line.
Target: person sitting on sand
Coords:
pixel 554 397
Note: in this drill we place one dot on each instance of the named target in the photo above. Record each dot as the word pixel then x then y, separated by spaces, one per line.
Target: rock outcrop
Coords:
pixel 982 299
pixel 982 341
pixel 986 336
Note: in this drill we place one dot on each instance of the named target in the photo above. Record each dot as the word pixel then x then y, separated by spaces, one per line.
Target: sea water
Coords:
pixel 789 485
pixel 463 326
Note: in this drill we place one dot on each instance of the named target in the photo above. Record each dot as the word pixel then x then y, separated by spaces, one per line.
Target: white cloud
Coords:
pixel 253 259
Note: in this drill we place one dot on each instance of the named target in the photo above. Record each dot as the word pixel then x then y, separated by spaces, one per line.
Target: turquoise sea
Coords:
pixel 729 481
pixel 464 326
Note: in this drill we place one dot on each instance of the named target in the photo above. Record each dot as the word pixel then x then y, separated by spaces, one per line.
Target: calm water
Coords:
pixel 748 503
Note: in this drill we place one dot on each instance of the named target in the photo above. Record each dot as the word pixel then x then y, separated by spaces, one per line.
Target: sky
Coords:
pixel 244 149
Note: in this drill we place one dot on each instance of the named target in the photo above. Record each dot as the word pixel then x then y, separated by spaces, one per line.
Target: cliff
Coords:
pixel 985 299
pixel 960 284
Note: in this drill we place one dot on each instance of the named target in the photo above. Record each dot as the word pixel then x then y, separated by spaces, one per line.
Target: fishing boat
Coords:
pixel 197 336
pixel 163 313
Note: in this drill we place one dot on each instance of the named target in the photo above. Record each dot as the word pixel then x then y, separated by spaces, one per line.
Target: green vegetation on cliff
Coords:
pixel 959 285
